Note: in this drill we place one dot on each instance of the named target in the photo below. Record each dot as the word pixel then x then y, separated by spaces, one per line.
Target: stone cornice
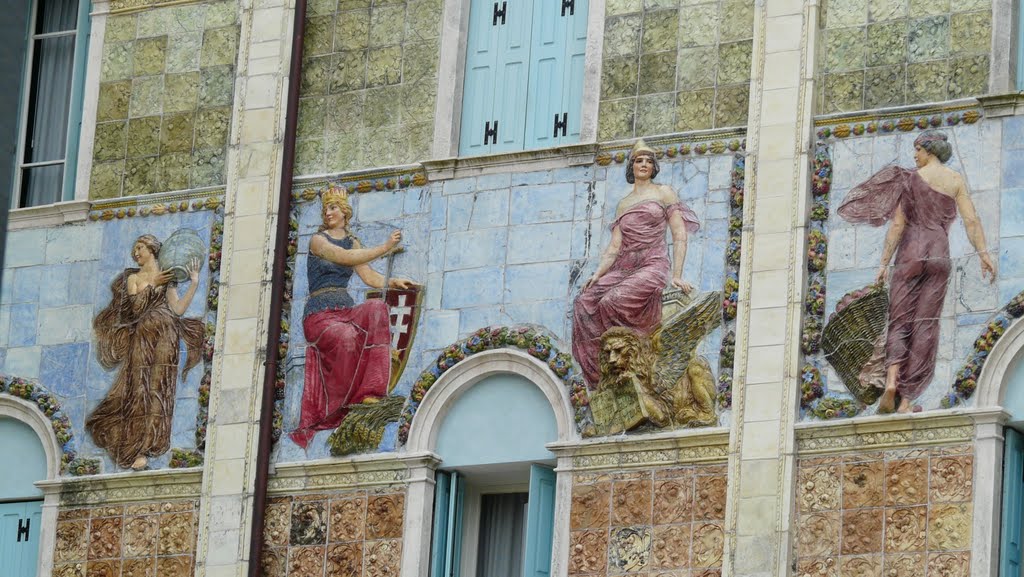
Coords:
pixel 48 215
pixel 679 447
pixel 361 471
pixel 519 161
pixel 997 105
pixel 126 487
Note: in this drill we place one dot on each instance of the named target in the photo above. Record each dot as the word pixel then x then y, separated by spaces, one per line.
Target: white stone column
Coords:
pixel 255 154
pixel 419 510
pixel 988 492
pixel 765 394
pixel 1002 75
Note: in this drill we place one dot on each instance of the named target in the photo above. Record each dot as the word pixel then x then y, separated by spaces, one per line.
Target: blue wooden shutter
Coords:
pixel 1013 491
pixel 446 544
pixel 497 61
pixel 20 524
pixel 556 72
pixel 540 517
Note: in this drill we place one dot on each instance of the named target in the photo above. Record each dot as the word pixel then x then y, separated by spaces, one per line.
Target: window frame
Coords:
pixel 75 99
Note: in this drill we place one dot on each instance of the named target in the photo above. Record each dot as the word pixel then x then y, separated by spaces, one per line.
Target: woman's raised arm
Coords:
pixel 321 247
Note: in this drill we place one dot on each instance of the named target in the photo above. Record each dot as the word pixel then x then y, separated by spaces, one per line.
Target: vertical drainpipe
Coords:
pixel 259 501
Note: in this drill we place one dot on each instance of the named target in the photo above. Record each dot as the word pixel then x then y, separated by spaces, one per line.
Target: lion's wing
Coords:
pixel 680 335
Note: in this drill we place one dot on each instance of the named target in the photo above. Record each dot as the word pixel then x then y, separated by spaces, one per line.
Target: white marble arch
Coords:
pixel 423 440
pixel 27 412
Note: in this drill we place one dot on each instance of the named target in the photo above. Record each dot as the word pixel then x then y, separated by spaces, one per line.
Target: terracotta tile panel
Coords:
pixel 949 527
pixel 384 516
pixel 590 506
pixel 673 501
pixel 709 498
pixel 671 547
pixel 949 564
pixel 631 502
pixel 140 536
pixel 862 531
pixel 309 523
pixel 274 561
pixel 348 519
pixel 818 534
pixel 708 542
pixel 177 566
pixel 107 568
pixel 905 529
pixel 277 523
pixel 861 566
pixel 863 484
pixel 818 488
pixel 69 569
pixel 72 541
pixel 176 533
pixel 143 567
pixel 952 479
pixel 905 565
pixel 306 561
pixel 818 567
pixel 629 550
pixel 345 559
pixel 72 514
pixel 906 482
pixel 588 552
pixel 382 558
pixel 105 538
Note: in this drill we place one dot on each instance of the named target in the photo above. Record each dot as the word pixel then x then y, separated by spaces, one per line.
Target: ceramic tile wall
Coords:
pixel 165 94
pixel 674 65
pixel 879 53
pixel 899 512
pixel 354 533
pixel 136 540
pixel 663 521
pixel 369 84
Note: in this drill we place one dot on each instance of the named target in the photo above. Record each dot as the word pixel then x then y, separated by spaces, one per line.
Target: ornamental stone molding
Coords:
pixel 372 470
pixel 131 487
pixel 683 446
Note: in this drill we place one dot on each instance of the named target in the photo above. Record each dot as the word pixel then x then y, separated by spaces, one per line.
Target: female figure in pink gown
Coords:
pixel 626 290
pixel 921 204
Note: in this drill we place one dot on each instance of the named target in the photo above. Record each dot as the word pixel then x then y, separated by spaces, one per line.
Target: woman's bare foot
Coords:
pixel 905 406
pixel 887 402
pixel 140 463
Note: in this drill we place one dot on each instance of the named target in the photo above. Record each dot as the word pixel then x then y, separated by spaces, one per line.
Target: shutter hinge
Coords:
pixel 500 13
pixel 570 5
pixel 490 133
pixel 23 530
pixel 561 124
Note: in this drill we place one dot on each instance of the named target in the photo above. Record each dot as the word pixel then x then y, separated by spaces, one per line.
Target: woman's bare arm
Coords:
pixel 180 305
pixel 892 240
pixel 975 232
pixel 611 252
pixel 321 247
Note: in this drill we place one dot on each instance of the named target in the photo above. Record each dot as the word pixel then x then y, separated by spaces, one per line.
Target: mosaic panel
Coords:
pixel 882 53
pixel 137 540
pixel 166 86
pixel 369 84
pixel 660 521
pixel 889 513
pixel 674 66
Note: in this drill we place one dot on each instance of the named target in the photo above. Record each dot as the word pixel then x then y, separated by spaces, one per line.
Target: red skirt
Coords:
pixel 347 360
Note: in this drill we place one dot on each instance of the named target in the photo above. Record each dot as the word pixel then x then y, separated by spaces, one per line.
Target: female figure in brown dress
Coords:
pixel 140 332
pixel 921 204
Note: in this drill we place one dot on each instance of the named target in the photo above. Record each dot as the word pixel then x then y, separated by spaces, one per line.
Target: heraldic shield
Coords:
pixel 404 313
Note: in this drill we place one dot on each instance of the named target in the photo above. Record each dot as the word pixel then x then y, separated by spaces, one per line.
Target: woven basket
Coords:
pixel 848 340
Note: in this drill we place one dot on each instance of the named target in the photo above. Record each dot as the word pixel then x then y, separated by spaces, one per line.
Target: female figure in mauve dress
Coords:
pixel 348 358
pixel 626 289
pixel 921 204
pixel 140 331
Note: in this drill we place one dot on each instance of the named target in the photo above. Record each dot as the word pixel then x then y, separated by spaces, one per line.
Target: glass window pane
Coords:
pixel 56 16
pixel 46 133
pixel 42 185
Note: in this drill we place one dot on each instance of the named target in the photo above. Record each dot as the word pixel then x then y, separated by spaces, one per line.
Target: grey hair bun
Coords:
pixel 936 143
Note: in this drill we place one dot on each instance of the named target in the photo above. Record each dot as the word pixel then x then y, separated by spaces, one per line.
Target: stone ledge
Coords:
pixel 999 105
pixel 48 215
pixel 126 487
pixel 371 470
pixel 519 161
pixel 678 447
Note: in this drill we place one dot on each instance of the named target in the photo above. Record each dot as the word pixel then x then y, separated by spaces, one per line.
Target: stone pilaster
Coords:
pixel 255 153
pixel 758 520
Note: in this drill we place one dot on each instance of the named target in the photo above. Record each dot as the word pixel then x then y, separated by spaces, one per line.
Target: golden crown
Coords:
pixel 334 194
pixel 639 147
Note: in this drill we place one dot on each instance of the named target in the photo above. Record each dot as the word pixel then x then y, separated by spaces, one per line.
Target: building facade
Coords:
pixel 581 288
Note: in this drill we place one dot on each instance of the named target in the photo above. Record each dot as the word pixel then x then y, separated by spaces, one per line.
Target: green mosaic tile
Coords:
pixel 141 175
pixel 654 114
pixel 657 72
pixel 220 14
pixel 846 13
pixel 843 92
pixel 175 171
pixel 385 145
pixel 970 5
pixel 926 81
pixel 615 119
pixel 213 125
pixel 143 136
pixel 659 30
pixel 699 26
pixel 207 167
pixel 384 66
pixel 928 39
pixel 887 43
pixel 384 28
pixel 321 7
pixel 620 7
pixel 420 61
pixel 345 112
pixel 420 138
pixel 187 19
pixel 147 96
pixel 176 132
pixel 216 85
pixel 348 71
pixel 928 7
pixel 344 152
pixel 884 86
pixel 183 53
pixel 660 4
pixel 149 56
pixel 220 46
pixel 737 21
pixel 695 110
pixel 970 33
pixel 968 76
pixel 309 156
pixel 734 62
pixel 316 76
pixel 117 61
pixel 181 91
pixel 731 105
pixel 696 67
pixel 621 36
pixel 312 117
pixel 423 19
pixel 344 5
pixel 619 77
pixel 110 139
pixel 690 3
pixel 153 22
pixel 418 101
pixel 120 28
pixel 352 30
pixel 105 179
pixel 319 38
pixel 844 49
pixel 381 107
pixel 113 100
pixel 882 10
